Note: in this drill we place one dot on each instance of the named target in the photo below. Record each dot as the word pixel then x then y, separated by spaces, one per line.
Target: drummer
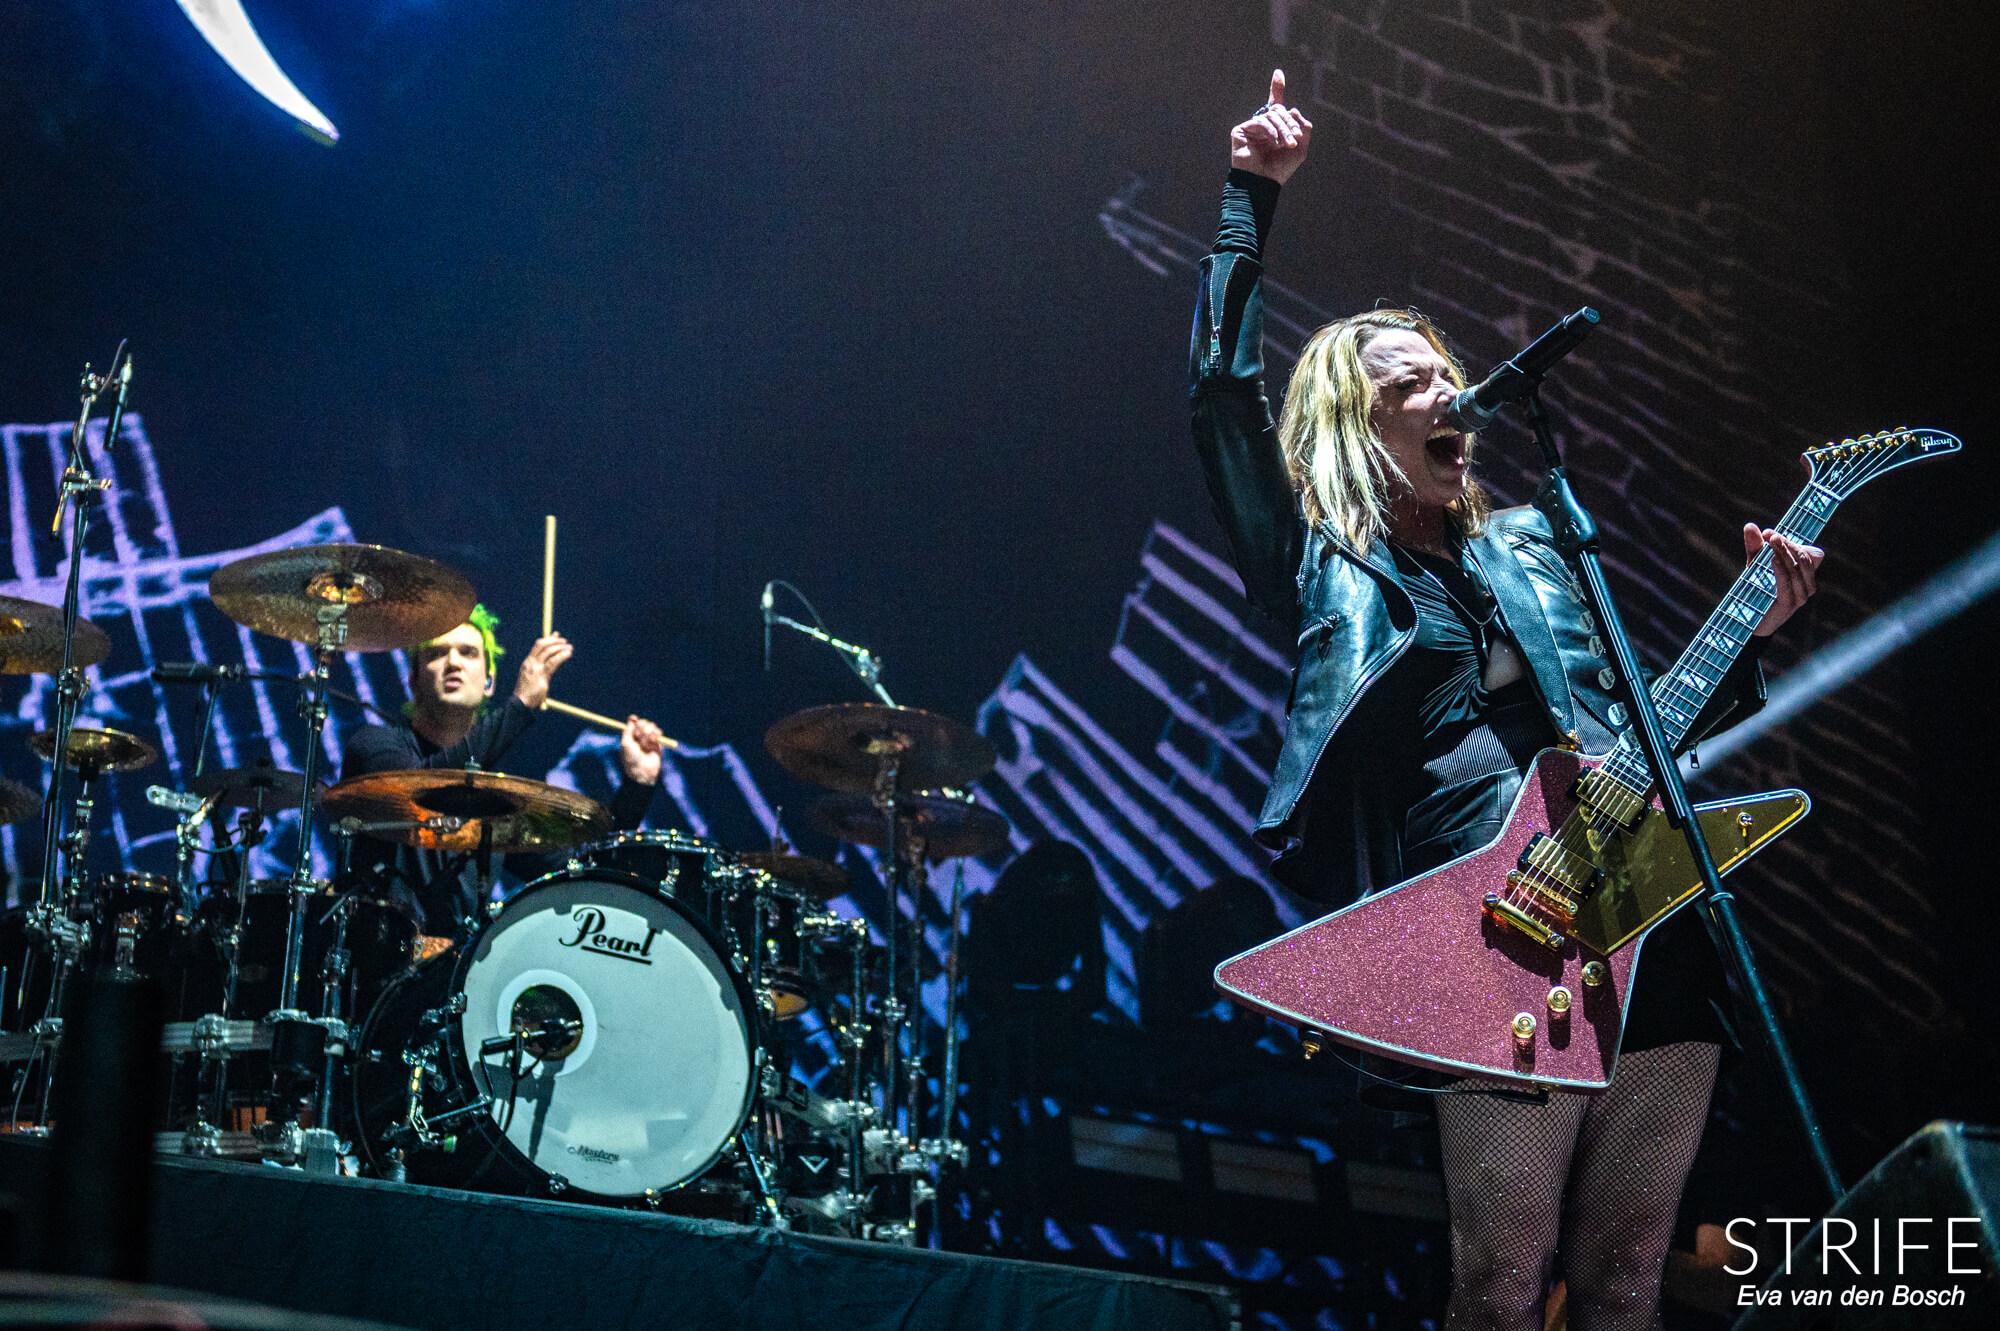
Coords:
pixel 451 718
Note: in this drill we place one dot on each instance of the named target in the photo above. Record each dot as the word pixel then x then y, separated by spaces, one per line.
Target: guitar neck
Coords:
pixel 1683 691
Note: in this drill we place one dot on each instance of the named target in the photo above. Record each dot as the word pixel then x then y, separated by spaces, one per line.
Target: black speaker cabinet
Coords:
pixel 1912 1246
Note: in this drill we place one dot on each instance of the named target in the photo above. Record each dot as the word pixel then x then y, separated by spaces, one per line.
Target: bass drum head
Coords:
pixel 638 1069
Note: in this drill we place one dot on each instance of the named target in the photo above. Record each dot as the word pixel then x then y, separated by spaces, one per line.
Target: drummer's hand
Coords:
pixel 639 746
pixel 531 686
pixel 1273 142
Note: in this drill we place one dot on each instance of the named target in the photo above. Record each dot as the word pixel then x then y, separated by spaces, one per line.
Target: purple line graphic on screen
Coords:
pixel 151 598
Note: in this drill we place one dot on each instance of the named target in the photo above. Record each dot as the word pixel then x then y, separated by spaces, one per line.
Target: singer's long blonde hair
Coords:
pixel 1343 473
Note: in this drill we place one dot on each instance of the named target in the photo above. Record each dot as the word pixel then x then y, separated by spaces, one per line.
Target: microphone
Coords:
pixel 195 672
pixel 1474 408
pixel 181 802
pixel 767 625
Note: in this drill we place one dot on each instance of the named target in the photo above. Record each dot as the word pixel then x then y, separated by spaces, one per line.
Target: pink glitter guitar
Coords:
pixel 1515 962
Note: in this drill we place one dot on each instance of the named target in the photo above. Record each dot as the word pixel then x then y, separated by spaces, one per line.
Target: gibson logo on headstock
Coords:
pixel 591 937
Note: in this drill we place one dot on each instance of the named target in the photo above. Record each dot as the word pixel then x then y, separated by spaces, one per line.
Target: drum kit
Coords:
pixel 619 1030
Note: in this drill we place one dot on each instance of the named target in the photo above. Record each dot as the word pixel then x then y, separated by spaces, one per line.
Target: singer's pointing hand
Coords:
pixel 531 686
pixel 1274 141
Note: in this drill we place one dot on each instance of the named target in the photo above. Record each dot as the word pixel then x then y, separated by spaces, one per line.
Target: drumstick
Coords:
pixel 549 575
pixel 598 719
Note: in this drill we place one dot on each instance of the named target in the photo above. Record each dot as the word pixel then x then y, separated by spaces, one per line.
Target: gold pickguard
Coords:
pixel 1644 874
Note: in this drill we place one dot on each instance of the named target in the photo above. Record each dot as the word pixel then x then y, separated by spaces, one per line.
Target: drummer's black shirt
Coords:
pixel 441 890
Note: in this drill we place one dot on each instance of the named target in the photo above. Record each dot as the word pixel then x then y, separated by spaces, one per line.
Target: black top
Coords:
pixel 442 890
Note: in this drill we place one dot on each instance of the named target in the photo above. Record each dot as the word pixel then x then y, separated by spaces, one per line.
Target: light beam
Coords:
pixel 224 25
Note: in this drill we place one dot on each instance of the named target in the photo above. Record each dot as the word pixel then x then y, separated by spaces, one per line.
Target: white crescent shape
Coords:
pixel 224 25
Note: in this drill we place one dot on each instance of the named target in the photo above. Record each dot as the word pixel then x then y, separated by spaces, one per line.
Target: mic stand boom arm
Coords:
pixel 1576 538
pixel 865 664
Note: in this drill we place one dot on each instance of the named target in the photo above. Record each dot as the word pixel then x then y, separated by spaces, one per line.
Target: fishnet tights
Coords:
pixel 1599 1176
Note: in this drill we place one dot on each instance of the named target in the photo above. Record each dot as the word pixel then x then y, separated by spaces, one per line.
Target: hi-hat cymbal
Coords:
pixel 271 789
pixel 100 750
pixel 393 600
pixel 949 825
pixel 17 802
pixel 843 746
pixel 823 880
pixel 523 814
pixel 31 638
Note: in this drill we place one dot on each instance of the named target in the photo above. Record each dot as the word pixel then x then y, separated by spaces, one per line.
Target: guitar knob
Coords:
pixel 1559 1001
pixel 1594 974
pixel 1524 1030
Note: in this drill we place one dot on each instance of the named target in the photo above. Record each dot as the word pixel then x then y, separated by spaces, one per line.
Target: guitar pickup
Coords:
pixel 1603 795
pixel 1557 866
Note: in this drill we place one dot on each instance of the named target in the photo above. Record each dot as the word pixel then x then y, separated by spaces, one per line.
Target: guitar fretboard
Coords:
pixel 1683 691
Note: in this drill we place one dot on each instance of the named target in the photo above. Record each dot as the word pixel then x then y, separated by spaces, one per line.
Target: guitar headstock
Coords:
pixel 1850 464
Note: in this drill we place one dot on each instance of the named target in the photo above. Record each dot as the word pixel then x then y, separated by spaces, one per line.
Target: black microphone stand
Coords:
pixel 51 916
pixel 1577 539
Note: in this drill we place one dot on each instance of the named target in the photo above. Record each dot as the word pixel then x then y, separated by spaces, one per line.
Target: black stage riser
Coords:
pixel 441 1260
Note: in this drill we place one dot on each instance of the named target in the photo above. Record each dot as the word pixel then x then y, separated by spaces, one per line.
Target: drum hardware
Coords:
pixel 355 598
pixel 591 1113
pixel 897 775
pixel 28 645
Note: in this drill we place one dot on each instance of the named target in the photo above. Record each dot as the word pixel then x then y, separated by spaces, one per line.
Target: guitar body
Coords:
pixel 1422 974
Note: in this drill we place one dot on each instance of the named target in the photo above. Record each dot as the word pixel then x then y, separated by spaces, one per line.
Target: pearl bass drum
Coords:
pixel 590 1041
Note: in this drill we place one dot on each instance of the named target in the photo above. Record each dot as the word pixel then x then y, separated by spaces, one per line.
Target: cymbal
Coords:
pixel 393 600
pixel 17 802
pixel 272 789
pixel 105 750
pixel 523 814
pixel 31 638
pixel 823 880
pixel 841 746
pixel 950 825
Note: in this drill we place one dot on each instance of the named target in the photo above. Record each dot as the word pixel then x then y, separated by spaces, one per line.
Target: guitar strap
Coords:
pixel 1521 614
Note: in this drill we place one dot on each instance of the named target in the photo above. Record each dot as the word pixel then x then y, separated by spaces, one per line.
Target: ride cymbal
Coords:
pixel 31 638
pixel 843 746
pixel 524 815
pixel 394 600
pixel 98 750
pixel 950 825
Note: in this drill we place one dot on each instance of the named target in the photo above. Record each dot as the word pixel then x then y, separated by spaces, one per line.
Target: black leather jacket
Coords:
pixel 1336 835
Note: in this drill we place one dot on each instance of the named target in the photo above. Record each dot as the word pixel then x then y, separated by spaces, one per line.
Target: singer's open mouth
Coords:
pixel 1446 447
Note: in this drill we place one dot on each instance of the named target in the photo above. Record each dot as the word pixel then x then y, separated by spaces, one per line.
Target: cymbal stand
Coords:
pixel 945 1148
pixel 49 918
pixel 322 1153
pixel 312 707
pixel 317 1145
pixel 889 761
pixel 211 1030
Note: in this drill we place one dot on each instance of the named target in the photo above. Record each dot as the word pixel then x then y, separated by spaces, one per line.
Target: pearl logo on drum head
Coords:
pixel 591 936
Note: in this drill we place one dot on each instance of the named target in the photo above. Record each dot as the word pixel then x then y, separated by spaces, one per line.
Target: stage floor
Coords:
pixel 442 1260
